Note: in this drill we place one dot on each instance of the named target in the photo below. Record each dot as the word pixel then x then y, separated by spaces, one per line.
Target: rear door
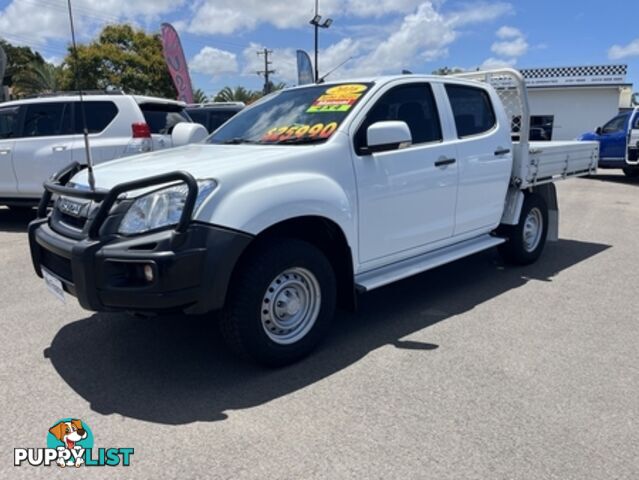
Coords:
pixel 485 159
pixel 161 118
pixel 632 153
pixel 45 145
pixel 8 130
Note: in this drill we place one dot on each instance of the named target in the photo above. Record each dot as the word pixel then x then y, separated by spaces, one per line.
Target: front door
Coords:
pixel 8 128
pixel 632 152
pixel 405 200
pixel 613 137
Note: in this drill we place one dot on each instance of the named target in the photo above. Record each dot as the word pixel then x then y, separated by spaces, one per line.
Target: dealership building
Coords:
pixel 568 101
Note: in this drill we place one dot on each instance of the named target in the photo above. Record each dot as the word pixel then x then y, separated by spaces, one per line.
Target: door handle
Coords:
pixel 59 148
pixel 445 161
pixel 502 151
pixel 5 151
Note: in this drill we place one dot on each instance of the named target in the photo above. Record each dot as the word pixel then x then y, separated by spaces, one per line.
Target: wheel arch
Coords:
pixel 326 235
pixel 515 201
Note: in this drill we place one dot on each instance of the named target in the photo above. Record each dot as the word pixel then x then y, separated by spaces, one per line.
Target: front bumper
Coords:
pixel 191 265
pixel 191 271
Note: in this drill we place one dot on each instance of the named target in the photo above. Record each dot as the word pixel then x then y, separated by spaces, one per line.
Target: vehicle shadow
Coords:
pixel 176 370
pixel 15 220
pixel 619 178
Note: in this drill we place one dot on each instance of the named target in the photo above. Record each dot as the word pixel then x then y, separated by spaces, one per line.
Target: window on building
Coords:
pixel 541 127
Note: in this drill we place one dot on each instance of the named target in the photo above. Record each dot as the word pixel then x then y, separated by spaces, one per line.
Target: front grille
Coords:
pixel 75 222
pixel 56 264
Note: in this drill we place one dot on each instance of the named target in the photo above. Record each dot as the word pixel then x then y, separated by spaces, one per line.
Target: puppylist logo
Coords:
pixel 70 444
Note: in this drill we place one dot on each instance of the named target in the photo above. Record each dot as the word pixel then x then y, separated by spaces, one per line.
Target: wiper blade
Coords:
pixel 238 141
pixel 300 141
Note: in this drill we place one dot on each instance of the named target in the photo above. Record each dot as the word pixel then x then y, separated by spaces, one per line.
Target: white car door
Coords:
pixel 632 152
pixel 8 128
pixel 44 147
pixel 485 159
pixel 406 196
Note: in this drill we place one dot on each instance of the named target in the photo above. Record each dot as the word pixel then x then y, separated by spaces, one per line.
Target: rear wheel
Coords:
pixel 631 172
pixel 280 303
pixel 526 240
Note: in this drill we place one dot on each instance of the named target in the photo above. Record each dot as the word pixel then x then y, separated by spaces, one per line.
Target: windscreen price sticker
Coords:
pixel 338 99
pixel 318 130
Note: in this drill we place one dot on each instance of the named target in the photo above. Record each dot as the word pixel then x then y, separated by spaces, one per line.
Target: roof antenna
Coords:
pixel 321 80
pixel 85 129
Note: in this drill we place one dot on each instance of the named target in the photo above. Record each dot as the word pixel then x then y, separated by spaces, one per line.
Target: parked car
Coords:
pixel 213 115
pixel 303 199
pixel 619 142
pixel 40 136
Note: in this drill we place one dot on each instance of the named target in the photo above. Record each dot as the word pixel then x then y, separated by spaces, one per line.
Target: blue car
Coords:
pixel 618 143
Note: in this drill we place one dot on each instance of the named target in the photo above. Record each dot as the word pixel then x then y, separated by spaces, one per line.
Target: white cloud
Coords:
pixel 492 63
pixel 511 46
pixel 617 52
pixel 508 32
pixel 511 49
pixel 34 22
pixel 214 62
pixel 229 16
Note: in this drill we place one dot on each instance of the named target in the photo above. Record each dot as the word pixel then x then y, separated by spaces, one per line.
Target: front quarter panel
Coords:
pixel 257 205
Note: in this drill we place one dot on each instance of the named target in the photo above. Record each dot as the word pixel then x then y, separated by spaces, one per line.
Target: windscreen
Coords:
pixel 298 116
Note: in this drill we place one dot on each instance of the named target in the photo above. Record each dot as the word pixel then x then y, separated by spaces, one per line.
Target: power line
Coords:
pixel 266 72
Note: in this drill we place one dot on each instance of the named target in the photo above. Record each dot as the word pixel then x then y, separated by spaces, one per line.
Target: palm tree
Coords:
pixel 199 96
pixel 237 94
pixel 37 78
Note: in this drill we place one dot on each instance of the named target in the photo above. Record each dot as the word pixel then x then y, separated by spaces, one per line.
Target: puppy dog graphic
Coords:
pixel 69 433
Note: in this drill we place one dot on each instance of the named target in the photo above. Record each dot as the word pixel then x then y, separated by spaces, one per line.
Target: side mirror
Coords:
pixel 185 133
pixel 387 135
pixel 599 131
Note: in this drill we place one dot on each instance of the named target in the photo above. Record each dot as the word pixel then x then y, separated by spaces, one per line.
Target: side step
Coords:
pixel 412 266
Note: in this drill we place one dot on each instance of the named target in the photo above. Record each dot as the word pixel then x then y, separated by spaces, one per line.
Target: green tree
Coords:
pixel 237 94
pixel 123 57
pixel 199 96
pixel 447 71
pixel 18 58
pixel 36 78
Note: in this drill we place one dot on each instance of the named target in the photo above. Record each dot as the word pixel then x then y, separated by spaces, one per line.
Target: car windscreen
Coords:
pixel 297 116
pixel 161 118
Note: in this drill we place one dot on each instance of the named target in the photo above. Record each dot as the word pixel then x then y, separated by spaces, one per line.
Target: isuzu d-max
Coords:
pixel 304 199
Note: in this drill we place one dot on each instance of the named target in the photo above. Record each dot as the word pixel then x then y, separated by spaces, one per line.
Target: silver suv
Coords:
pixel 40 136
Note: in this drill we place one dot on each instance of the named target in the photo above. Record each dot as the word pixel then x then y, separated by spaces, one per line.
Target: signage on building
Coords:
pixel 575 76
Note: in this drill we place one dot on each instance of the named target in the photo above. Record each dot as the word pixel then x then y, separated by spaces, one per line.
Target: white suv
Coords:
pixel 40 136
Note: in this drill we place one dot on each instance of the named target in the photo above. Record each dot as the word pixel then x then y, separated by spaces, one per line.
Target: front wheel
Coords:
pixel 631 172
pixel 280 303
pixel 526 240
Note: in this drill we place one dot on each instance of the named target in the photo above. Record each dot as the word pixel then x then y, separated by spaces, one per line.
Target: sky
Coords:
pixel 221 37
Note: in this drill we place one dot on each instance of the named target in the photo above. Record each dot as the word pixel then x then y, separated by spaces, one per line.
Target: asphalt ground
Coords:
pixel 475 370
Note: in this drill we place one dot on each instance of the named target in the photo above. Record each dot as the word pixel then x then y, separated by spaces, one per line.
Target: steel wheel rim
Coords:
pixel 533 228
pixel 290 306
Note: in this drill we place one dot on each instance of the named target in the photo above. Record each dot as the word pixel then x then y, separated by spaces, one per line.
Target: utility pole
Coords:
pixel 266 72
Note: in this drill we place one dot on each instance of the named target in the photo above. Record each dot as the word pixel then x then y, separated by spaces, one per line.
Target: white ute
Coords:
pixel 305 198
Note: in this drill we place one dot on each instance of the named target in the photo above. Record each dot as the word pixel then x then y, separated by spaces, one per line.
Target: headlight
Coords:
pixel 162 208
